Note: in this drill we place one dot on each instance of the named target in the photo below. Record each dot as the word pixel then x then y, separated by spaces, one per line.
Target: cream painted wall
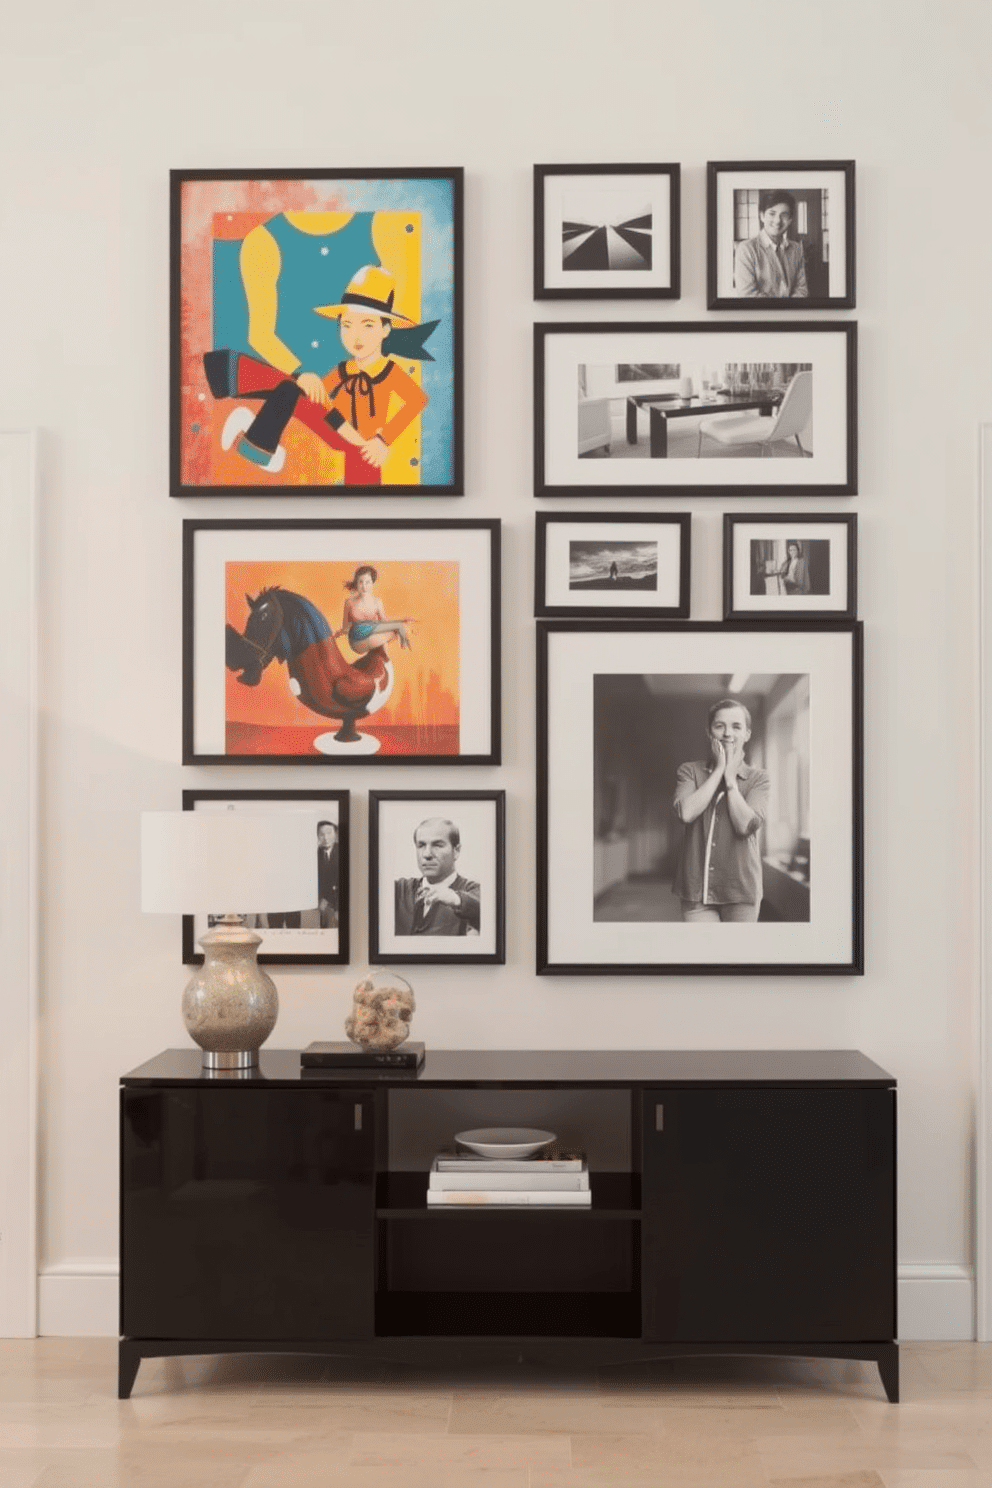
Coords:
pixel 97 104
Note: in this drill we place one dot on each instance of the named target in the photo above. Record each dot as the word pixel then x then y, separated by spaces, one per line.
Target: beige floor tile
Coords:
pixel 798 1457
pixel 916 1477
pixel 687 1458
pixel 664 1475
pixel 278 1475
pixel 19 1469
pixel 745 1422
pixel 868 1478
pixel 385 1449
pixel 513 1413
pixel 33 1424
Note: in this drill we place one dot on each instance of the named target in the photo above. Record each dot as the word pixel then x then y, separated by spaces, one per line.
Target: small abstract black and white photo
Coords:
pixel 606 230
pixel 612 565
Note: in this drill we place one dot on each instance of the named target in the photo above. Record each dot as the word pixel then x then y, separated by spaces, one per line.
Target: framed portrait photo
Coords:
pixel 606 232
pixel 699 408
pixel 780 235
pixel 312 934
pixel 436 877
pixel 700 798
pixel 612 564
pixel 786 566
pixel 331 642
pixel 316 332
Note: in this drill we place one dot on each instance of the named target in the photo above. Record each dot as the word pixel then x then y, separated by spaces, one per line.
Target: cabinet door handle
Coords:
pixel 659 1118
pixel 358 1117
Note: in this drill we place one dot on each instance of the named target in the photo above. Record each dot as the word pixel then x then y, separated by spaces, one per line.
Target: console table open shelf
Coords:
pixel 742 1203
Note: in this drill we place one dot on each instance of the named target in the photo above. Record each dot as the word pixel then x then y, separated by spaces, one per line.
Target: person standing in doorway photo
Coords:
pixel 721 802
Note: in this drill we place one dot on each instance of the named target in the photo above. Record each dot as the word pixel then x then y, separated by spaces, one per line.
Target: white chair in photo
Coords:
pixel 756 428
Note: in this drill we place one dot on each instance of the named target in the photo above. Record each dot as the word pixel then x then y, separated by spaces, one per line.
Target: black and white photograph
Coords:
pixel 436 876
pixel 696 407
pixel 780 235
pixel 612 564
pixel 606 231
pixel 700 804
pixel 311 934
pixel 789 565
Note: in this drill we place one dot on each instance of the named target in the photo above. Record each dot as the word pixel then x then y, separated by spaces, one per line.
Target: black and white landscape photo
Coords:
pixel 612 566
pixel 606 230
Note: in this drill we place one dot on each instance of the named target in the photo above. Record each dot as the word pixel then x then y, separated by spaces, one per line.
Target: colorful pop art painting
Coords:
pixel 335 641
pixel 316 333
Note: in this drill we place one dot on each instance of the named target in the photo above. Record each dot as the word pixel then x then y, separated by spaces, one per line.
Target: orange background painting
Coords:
pixel 426 693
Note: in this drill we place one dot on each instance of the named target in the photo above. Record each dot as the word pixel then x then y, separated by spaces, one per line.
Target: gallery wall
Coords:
pixel 97 105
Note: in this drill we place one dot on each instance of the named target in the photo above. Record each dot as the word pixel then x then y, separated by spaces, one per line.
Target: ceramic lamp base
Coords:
pixel 230 1004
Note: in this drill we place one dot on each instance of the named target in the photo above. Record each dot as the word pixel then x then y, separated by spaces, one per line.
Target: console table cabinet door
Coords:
pixel 768 1215
pixel 247 1213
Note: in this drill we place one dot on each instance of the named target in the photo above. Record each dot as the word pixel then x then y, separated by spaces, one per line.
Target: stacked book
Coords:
pixel 556 1176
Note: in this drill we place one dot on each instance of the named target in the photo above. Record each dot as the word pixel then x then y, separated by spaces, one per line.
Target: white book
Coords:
pixel 530 1180
pixel 465 1197
pixel 556 1159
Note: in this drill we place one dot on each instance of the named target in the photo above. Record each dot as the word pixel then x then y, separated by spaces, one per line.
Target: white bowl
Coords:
pixel 504 1141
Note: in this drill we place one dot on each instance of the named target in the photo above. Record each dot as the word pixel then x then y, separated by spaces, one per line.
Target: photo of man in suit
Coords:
pixel 327 874
pixel 440 901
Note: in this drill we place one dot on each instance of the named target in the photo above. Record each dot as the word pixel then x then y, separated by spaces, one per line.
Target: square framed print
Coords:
pixel 314 934
pixel 786 566
pixel 437 877
pixel 316 332
pixel 700 798
pixel 700 408
pixel 780 235
pixel 332 642
pixel 606 232
pixel 612 564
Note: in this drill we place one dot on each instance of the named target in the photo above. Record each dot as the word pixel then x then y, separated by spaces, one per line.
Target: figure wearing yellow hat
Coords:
pixel 360 407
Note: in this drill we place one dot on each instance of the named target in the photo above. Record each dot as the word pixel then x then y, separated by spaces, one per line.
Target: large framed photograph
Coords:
pixel 612 564
pixel 606 232
pixel 316 332
pixel 436 877
pixel 312 934
pixel 786 566
pixel 700 798
pixel 701 408
pixel 780 235
pixel 330 642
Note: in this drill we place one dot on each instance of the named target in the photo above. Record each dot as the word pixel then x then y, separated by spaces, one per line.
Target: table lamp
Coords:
pixel 228 864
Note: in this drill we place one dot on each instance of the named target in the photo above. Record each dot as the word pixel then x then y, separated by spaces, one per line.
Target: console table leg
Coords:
pixel 631 421
pixel 888 1368
pixel 128 1360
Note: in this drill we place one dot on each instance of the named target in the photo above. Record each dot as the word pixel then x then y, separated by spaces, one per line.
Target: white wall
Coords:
pixel 97 103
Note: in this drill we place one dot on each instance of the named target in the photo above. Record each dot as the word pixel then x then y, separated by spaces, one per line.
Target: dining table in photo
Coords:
pixel 664 406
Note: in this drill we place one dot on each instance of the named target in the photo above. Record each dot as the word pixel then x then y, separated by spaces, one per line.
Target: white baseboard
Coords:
pixel 79 1299
pixel 936 1302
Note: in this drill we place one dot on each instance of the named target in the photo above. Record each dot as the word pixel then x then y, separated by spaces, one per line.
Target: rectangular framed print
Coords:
pixel 700 798
pixel 341 642
pixel 612 564
pixel 783 567
pixel 701 408
pixel 780 235
pixel 606 232
pixel 314 934
pixel 316 332
pixel 436 877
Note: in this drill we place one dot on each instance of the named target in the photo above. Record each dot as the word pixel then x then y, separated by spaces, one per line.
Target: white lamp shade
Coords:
pixel 227 862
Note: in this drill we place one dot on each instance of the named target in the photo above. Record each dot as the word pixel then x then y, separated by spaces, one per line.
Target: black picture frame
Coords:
pixel 599 589
pixel 619 705
pixel 394 819
pixel 308 943
pixel 216 446
pixel 439 704
pixel 636 259
pixel 596 381
pixel 828 555
pixel 823 194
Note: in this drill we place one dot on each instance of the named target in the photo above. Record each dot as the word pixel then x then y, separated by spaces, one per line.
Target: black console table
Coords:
pixel 747 1206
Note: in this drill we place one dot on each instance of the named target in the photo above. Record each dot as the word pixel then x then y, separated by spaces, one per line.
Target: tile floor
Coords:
pixel 257 1422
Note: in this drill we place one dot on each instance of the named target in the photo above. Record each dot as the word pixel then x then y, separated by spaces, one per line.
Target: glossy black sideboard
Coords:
pixel 753 1213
